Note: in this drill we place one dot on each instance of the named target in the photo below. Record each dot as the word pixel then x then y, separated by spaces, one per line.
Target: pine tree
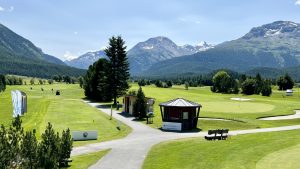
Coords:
pixel 66 144
pixel 15 136
pixel 2 83
pixel 266 89
pixel 119 74
pixel 96 82
pixel 49 149
pixel 29 148
pixel 5 151
pixel 258 84
pixel 140 105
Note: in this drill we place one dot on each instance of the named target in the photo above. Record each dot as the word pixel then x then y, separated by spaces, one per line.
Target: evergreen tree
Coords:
pixel 5 151
pixel 29 148
pixel 32 81
pixel 248 86
pixel 96 81
pixel 258 84
pixel 2 83
pixel 140 105
pixel 119 72
pixel 15 136
pixel 66 144
pixel 285 82
pixel 81 81
pixel 186 85
pixel 48 150
pixel 266 89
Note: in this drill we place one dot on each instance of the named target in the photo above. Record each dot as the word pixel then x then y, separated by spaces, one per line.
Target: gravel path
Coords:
pixel 130 152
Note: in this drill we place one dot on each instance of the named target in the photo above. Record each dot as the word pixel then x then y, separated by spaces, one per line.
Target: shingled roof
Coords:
pixel 179 102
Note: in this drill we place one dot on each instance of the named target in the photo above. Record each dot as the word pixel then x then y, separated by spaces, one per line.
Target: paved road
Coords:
pixel 130 152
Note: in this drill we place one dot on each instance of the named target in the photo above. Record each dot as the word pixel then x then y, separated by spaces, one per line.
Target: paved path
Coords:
pixel 285 117
pixel 130 152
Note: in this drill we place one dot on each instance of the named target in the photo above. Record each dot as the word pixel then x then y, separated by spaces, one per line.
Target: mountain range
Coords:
pixel 144 54
pixel 270 47
pixel 85 60
pixel 274 45
pixel 20 56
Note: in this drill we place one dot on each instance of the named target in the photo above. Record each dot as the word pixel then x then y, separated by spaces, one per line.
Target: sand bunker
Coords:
pixel 240 99
pixel 287 117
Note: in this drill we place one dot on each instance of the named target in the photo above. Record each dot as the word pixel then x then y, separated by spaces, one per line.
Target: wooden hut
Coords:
pixel 179 114
pixel 129 100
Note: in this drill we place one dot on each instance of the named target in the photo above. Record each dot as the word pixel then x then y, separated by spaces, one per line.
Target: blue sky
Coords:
pixel 69 28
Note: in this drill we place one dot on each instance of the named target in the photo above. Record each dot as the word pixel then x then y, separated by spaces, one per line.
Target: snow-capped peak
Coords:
pixel 203 43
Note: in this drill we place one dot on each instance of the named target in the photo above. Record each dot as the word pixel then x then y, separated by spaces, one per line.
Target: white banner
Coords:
pixel 85 135
pixel 17 103
pixel 171 126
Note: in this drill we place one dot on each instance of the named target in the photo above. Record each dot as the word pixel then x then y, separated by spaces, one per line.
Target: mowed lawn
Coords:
pixel 273 150
pixel 216 105
pixel 86 160
pixel 64 111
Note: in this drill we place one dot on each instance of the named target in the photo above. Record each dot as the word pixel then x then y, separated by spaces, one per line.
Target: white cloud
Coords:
pixel 75 33
pixel 181 19
pixel 1 8
pixel 69 56
pixel 297 2
pixel 190 19
pixel 11 8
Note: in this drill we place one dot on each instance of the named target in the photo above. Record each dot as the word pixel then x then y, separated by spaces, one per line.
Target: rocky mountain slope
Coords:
pixel 274 45
pixel 20 56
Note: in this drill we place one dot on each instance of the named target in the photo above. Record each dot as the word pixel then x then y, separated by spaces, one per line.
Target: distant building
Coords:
pixel 129 100
pixel 179 114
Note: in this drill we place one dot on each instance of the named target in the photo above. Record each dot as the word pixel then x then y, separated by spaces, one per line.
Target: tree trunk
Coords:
pixel 115 100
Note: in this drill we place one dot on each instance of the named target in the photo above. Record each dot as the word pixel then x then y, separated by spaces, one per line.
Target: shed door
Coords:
pixel 185 121
pixel 127 104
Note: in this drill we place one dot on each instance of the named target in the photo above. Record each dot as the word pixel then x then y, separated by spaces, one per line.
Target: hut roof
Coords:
pixel 179 102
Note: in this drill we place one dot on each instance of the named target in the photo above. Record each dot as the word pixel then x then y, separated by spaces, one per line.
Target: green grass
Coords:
pixel 287 158
pixel 218 105
pixel 263 150
pixel 64 111
pixel 86 160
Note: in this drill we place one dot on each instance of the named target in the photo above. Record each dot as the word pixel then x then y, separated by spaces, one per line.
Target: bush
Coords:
pixel 223 83
pixel 266 89
pixel 248 86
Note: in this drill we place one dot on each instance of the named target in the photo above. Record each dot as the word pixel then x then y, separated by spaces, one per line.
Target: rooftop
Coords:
pixel 179 102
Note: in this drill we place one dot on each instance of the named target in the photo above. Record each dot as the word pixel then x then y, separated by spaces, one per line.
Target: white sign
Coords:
pixel 84 135
pixel 171 126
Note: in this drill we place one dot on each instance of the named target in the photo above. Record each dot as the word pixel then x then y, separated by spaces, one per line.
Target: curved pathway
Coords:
pixel 285 117
pixel 130 152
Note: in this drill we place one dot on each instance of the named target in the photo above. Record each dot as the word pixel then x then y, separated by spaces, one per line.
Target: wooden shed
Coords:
pixel 179 114
pixel 129 100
